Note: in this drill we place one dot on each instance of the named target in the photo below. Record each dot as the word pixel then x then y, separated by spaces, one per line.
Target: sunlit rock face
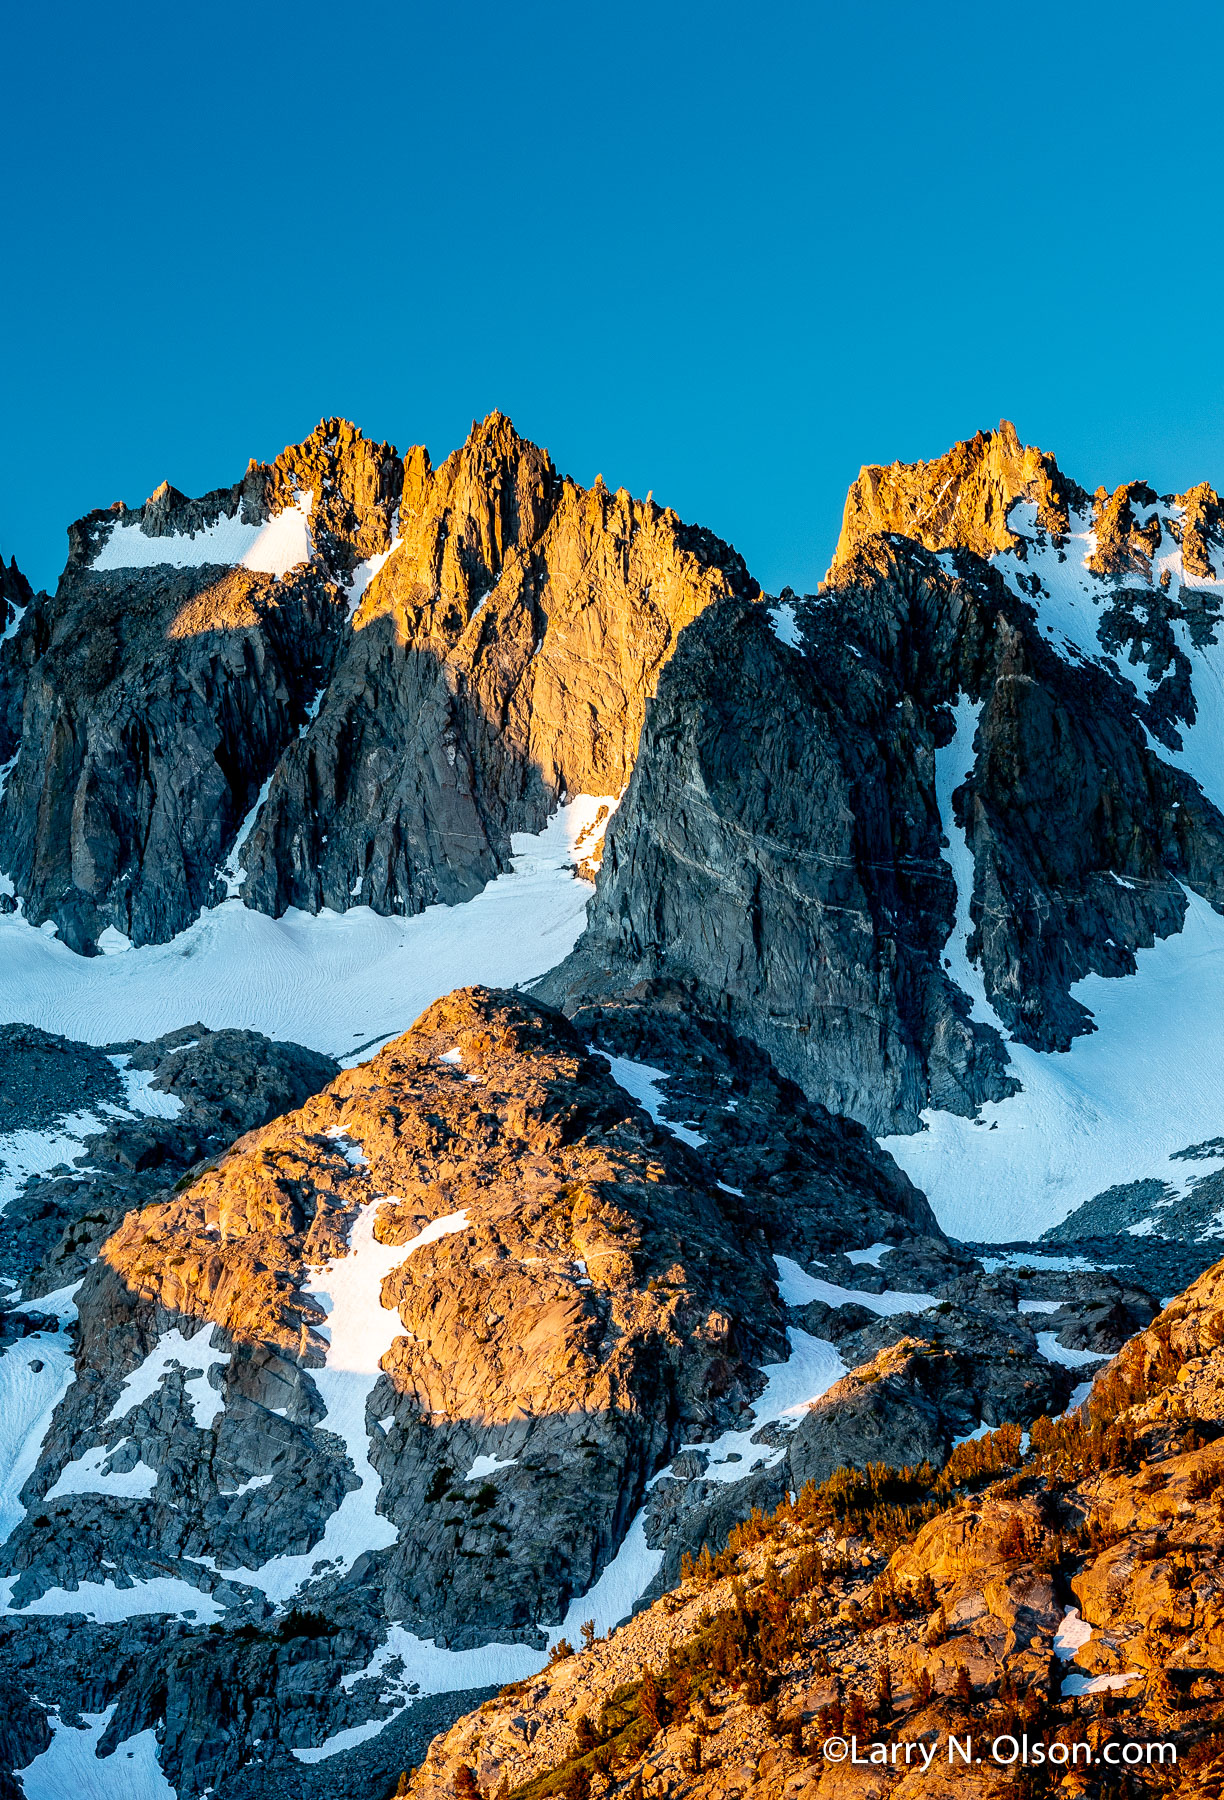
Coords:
pixel 347 680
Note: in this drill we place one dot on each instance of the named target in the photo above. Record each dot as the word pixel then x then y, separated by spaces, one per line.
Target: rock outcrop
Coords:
pixel 144 1113
pixel 960 500
pixel 1021 1604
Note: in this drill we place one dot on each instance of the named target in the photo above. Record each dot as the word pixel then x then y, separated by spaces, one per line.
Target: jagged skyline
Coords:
pixel 727 260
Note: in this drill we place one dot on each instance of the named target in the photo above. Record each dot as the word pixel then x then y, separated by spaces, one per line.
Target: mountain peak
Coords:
pixel 959 500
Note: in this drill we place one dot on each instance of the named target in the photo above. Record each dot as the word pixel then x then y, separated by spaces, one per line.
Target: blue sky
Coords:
pixel 727 253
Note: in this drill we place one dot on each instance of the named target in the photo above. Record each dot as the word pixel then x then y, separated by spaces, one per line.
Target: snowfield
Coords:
pixel 71 1766
pixel 273 548
pixel 336 982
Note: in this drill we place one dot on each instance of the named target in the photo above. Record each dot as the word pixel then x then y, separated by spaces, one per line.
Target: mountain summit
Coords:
pixel 543 1087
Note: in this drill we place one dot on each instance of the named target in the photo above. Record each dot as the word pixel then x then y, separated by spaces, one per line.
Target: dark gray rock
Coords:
pixel 226 1082
pixel 778 855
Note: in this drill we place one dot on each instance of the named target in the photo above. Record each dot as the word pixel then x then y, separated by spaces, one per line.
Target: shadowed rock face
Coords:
pixel 461 648
pixel 780 854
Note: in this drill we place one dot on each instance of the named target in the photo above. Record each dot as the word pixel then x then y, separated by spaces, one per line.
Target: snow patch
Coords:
pixel 232 872
pixel 488 1465
pixel 107 1604
pixel 797 1287
pixel 1071 1635
pixel 349 1738
pixel 871 1254
pixel 174 1351
pixel 1070 1638
pixel 1054 1352
pixel 785 626
pixel 70 1765
pixel 360 1330
pixel 1112 1109
pixel 280 544
pixel 790 1388
pixel 643 1082
pixel 87 1475
pixel 429 1669
pixel 952 765
pixel 29 1397
pixel 352 1152
pixel 365 572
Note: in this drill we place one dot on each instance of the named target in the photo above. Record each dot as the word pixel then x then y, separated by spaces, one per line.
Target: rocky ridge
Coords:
pixel 386 670
pixel 1063 1595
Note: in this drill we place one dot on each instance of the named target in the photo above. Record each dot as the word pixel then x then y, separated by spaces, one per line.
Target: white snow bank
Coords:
pixel 349 1738
pixel 1069 1640
pixel 331 981
pixel 281 544
pixel 174 1351
pixel 797 1287
pixel 231 871
pixel 1072 1634
pixel 872 1254
pixel 952 764
pixel 785 626
pixel 360 1330
pixel 88 1476
pixel 810 1371
pixel 140 1096
pixel 1024 1259
pixel 352 1152
pixel 70 1765
pixel 1054 1352
pixel 1112 1109
pixel 643 1082
pixel 27 1153
pixel 1079 1393
pixel 107 1604
pixel 1076 1684
pixel 364 574
pixel 489 1465
pixel 436 1671
pixel 29 1396
pixel 621 1585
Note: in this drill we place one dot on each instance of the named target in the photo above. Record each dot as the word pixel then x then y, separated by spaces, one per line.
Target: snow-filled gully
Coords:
pixel 360 1330
pixel 1117 1107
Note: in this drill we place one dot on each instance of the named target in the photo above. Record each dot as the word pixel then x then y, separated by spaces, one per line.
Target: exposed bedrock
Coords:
pixel 780 854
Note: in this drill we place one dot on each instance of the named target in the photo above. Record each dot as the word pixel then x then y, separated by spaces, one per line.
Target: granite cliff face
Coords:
pixel 346 680
pixel 786 850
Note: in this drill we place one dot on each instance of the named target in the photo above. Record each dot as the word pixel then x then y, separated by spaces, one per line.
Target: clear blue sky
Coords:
pixel 727 253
